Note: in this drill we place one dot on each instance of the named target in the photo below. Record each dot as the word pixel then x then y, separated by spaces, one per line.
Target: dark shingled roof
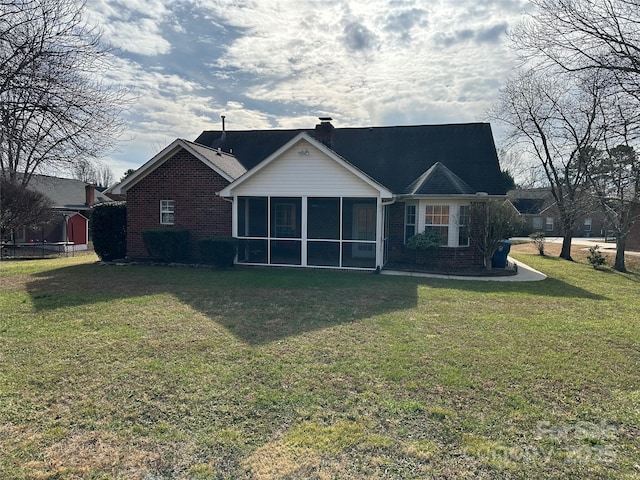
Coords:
pixel 439 180
pixel 531 200
pixel 395 157
pixel 528 205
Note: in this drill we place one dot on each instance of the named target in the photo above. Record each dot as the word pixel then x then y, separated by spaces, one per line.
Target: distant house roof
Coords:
pixel 531 201
pixel 395 157
pixel 65 193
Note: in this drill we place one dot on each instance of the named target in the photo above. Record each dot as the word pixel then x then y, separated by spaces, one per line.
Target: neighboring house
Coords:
pixel 633 238
pixel 538 209
pixel 325 197
pixel 71 201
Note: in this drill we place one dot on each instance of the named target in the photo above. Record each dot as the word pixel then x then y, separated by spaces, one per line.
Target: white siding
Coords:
pixel 299 174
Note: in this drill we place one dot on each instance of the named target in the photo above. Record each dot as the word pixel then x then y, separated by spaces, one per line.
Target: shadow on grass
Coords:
pixel 255 305
pixel 259 305
pixel 550 287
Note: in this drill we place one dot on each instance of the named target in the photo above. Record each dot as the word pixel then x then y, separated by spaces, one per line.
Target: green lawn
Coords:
pixel 156 372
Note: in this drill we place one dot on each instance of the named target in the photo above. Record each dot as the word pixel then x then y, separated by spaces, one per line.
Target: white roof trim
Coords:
pixel 161 157
pixel 227 191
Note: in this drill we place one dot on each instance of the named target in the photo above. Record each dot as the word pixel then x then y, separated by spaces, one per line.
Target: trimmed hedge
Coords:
pixel 219 251
pixel 109 230
pixel 167 244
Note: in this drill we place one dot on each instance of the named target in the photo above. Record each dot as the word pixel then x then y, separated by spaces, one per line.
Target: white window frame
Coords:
pixel 454 210
pixel 588 225
pixel 167 207
pixel 548 224
pixel 406 220
pixel 468 225
pixel 447 225
pixel 536 223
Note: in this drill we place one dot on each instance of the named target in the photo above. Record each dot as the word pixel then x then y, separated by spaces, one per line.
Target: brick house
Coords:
pixel 539 211
pixel 71 201
pixel 633 238
pixel 326 197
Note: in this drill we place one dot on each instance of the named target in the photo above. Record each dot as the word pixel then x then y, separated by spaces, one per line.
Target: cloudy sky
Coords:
pixel 283 63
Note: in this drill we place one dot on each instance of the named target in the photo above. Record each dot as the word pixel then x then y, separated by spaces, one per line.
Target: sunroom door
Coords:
pixel 364 228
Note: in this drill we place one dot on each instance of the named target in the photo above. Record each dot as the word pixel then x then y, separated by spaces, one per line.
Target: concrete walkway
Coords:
pixel 525 274
pixel 606 247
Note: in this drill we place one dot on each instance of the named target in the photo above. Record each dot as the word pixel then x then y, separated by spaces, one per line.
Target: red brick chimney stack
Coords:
pixel 324 131
pixel 90 195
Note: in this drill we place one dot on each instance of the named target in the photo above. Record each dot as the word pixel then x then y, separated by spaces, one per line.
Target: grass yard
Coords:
pixel 134 372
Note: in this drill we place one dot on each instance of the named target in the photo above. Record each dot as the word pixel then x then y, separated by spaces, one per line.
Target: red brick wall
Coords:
pixel 633 238
pixel 446 258
pixel 192 186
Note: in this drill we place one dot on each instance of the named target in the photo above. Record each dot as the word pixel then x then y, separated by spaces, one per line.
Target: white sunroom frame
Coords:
pixel 377 191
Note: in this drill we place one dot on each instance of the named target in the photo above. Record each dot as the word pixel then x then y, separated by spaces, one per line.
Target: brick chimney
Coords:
pixel 324 131
pixel 89 195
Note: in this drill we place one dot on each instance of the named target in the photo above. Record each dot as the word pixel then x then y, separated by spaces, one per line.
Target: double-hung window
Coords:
pixel 437 219
pixel 536 223
pixel 549 224
pixel 410 222
pixel 464 220
pixel 167 208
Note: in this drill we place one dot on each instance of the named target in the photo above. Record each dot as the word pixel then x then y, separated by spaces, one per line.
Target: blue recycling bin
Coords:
pixel 499 259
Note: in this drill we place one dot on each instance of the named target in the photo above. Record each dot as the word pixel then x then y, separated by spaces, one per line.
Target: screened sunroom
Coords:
pixel 334 232
pixel 305 206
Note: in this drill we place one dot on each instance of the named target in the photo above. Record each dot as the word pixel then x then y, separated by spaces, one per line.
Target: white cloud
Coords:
pixel 347 58
pixel 282 63
pixel 132 26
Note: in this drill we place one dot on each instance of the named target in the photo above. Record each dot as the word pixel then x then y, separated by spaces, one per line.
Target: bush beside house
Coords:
pixel 109 230
pixel 218 251
pixel 167 244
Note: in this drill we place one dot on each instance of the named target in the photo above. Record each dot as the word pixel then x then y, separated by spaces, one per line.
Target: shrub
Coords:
pixel 109 230
pixel 596 259
pixel 425 240
pixel 167 244
pixel 538 239
pixel 219 251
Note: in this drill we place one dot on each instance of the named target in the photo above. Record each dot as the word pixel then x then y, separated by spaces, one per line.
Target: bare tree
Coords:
pixel 104 176
pixel 615 178
pixel 555 119
pixel 54 106
pixel 21 207
pixel 585 35
pixel 94 173
pixel 84 171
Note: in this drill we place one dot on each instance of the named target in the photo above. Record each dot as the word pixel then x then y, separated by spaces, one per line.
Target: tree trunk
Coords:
pixel 620 247
pixel 566 247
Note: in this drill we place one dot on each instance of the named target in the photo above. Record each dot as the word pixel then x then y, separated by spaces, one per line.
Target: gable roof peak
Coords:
pixel 439 180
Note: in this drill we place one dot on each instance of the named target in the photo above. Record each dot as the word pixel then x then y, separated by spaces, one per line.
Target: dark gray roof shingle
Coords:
pixel 395 157
pixel 439 180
